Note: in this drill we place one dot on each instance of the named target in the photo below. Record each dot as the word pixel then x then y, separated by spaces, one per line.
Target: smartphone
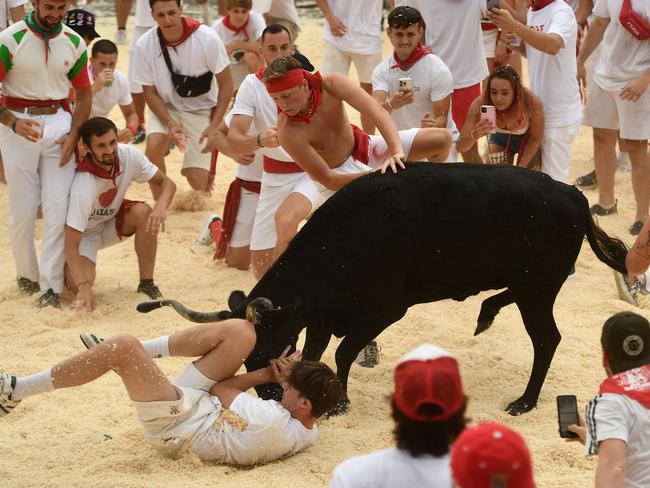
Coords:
pixel 490 4
pixel 567 414
pixel 405 84
pixel 489 113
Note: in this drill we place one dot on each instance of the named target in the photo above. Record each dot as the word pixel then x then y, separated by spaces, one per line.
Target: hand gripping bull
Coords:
pixel 387 242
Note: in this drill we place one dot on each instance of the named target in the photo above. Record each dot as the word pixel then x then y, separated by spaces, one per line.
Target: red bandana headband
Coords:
pixel 292 79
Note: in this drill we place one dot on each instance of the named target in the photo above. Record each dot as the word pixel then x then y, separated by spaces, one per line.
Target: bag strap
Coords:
pixel 165 52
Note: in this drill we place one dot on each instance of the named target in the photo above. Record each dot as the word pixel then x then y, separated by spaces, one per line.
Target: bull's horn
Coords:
pixel 256 307
pixel 191 315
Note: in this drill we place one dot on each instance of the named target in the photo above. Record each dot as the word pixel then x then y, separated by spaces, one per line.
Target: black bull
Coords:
pixel 386 242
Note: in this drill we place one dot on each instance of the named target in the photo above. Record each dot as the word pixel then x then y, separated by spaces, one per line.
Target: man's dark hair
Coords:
pixel 404 17
pixel 316 382
pixel 247 4
pixel 103 46
pixel 95 126
pixel 152 2
pixel 275 29
pixel 432 438
pixel 280 67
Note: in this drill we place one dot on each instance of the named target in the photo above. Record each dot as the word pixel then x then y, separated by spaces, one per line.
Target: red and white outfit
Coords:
pixel 281 176
pixel 34 75
pixel 553 79
pixel 198 51
pixel 622 411
pixel 622 59
pixel 453 32
pixel 361 44
pixel 143 22
pixel 97 203
pixel 432 82
pixel 109 96
pixel 250 31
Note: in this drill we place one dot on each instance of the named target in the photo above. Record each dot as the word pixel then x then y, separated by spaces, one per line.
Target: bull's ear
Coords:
pixel 235 300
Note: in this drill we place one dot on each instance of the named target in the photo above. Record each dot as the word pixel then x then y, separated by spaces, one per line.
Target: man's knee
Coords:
pixel 138 213
pixel 124 345
pixel 243 332
pixel 197 178
pixel 634 147
pixel 605 136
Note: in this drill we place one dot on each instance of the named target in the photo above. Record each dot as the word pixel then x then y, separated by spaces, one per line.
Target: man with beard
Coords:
pixel 99 216
pixel 40 60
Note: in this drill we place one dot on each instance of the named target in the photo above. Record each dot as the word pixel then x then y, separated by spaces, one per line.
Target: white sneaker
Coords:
pixel 626 291
pixel 368 357
pixel 90 340
pixel 120 36
pixel 204 237
pixel 7 385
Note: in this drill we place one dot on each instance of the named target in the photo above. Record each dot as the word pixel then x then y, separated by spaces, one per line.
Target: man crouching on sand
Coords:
pixel 206 409
pixel 314 129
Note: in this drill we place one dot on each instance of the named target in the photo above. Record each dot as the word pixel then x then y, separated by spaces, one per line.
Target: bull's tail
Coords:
pixel 609 250
pixel 182 310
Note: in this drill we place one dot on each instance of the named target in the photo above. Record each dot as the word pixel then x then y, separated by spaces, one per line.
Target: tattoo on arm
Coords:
pixel 643 248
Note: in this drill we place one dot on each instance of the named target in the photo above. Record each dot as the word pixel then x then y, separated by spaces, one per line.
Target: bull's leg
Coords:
pixel 542 330
pixel 490 308
pixel 316 341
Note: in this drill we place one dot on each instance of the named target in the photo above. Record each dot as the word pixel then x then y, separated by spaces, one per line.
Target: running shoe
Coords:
pixel 90 340
pixel 120 36
pixel 49 299
pixel 369 356
pixel 204 237
pixel 628 292
pixel 636 227
pixel 598 209
pixel 150 289
pixel 140 135
pixel 7 385
pixel 27 286
pixel 588 181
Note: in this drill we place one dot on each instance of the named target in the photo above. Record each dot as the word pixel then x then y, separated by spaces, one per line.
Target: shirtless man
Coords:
pixel 314 129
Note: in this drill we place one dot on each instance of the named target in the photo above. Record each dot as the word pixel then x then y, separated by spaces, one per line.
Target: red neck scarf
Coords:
pixel 189 27
pixel 540 4
pixel 237 30
pixel 294 78
pixel 633 383
pixel 88 165
pixel 419 52
pixel 260 73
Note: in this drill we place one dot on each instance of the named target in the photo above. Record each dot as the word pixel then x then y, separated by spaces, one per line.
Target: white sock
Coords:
pixel 193 378
pixel 158 347
pixel 33 385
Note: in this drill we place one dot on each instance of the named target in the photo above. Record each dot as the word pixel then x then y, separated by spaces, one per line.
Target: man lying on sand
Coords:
pixel 205 409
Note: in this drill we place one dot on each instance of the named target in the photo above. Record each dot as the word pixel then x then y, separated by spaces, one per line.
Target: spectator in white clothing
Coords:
pixel 428 407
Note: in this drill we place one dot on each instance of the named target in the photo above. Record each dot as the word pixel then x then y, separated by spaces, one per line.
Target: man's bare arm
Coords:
pixel 638 258
pixel 228 389
pixel 610 472
pixel 17 13
pixel 156 104
pixel 225 84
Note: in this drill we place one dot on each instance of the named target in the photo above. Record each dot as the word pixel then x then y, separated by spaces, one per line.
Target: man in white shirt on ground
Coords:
pixel 185 110
pixel 206 409
pixel 428 407
pixel 550 41
pixel 619 100
pixel 353 34
pixel 427 103
pixel 617 426
pixel 111 87
pixel 100 216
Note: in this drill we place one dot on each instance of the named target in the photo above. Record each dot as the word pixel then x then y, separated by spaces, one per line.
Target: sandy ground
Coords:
pixel 89 436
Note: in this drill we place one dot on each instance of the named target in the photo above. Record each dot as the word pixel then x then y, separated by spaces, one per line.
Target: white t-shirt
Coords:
pixel 5 5
pixel 363 21
pixel 611 416
pixel 284 9
pixel 109 96
pixel 202 51
pixel 256 24
pixel 90 203
pixel 454 33
pixel 247 172
pixel 143 17
pixel 392 468
pixel 432 81
pixel 553 77
pixel 623 57
pixel 272 433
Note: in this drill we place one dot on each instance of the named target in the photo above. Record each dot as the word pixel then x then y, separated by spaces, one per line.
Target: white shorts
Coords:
pixel 241 233
pixel 193 123
pixel 556 150
pixel 377 154
pixel 138 32
pixel 606 110
pixel 99 237
pixel 337 61
pixel 271 197
pixel 490 42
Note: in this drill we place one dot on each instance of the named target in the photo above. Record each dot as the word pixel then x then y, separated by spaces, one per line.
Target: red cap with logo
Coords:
pixel 491 455
pixel 428 375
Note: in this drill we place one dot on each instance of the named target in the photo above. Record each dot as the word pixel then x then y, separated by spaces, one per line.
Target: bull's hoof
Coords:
pixel 235 300
pixel 342 408
pixel 520 406
pixel 255 309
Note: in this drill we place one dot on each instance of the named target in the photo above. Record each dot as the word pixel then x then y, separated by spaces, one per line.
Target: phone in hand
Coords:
pixel 490 4
pixel 405 84
pixel 489 113
pixel 567 414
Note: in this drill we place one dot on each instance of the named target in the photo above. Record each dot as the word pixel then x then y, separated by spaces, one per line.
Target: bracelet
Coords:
pixel 13 125
pixel 132 128
pixel 82 282
pixel 258 139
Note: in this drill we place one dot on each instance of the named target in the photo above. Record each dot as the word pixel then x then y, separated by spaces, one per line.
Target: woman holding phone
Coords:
pixel 512 118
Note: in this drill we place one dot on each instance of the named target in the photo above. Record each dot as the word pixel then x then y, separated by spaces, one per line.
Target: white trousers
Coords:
pixel 34 177
pixel 556 151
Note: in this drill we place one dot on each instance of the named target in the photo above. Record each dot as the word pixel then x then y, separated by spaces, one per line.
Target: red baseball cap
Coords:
pixel 428 375
pixel 491 455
